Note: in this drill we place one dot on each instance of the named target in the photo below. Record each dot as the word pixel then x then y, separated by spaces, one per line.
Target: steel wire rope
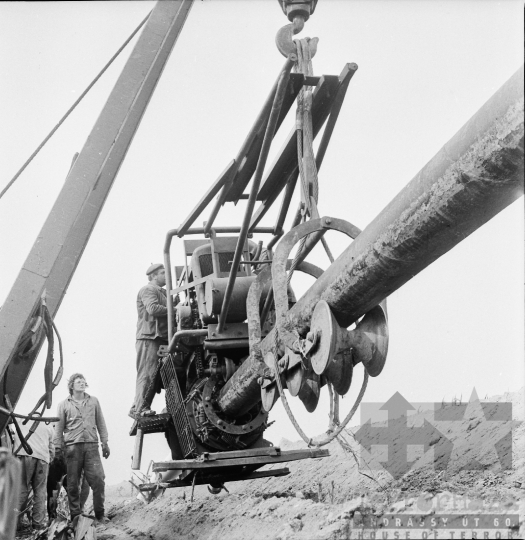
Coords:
pixel 345 445
pixel 309 440
pixel 310 188
pixel 73 107
pixel 304 66
pixel 305 152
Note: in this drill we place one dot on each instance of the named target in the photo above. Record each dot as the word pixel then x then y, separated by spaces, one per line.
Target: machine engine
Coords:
pixel 199 360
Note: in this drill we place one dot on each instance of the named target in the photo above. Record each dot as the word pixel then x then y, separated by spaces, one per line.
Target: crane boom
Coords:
pixel 56 253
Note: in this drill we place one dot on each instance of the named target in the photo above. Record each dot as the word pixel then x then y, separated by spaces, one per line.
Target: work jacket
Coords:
pixel 41 441
pixel 152 312
pixel 78 422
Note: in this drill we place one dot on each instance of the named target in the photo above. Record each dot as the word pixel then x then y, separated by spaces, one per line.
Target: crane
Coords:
pixel 247 380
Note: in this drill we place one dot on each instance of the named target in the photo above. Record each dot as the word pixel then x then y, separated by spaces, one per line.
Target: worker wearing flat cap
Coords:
pixel 152 332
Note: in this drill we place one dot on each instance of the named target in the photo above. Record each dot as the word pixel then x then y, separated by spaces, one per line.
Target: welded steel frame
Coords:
pixel 327 100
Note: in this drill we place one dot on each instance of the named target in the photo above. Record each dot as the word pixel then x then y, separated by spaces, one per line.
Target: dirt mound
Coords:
pixel 334 497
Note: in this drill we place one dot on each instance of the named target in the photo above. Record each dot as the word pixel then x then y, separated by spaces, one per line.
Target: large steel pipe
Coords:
pixel 471 179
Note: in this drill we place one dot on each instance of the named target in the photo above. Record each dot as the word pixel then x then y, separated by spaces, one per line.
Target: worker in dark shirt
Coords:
pixel 152 332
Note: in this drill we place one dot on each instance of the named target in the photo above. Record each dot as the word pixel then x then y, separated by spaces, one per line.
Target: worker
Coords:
pixel 79 419
pixel 57 479
pixel 7 440
pixel 152 332
pixel 35 468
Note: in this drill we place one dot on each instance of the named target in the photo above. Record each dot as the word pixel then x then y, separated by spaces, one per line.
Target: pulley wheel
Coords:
pixel 294 376
pixel 269 390
pixel 310 391
pixel 231 368
pixel 339 371
pixel 373 330
pixel 324 327
pixel 269 396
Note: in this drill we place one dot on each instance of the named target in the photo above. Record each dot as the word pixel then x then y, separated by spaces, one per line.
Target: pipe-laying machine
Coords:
pixel 236 291
pixel 238 338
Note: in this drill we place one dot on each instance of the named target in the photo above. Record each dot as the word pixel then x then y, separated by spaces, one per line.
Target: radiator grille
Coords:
pixel 224 261
pixel 177 408
pixel 206 264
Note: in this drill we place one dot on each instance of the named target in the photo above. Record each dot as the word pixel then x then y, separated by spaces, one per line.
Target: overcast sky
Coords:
pixel 425 67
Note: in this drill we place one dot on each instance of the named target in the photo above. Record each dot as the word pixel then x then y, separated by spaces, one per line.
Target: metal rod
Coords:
pixel 285 164
pixel 222 344
pixel 274 241
pixel 169 286
pixel 260 123
pixel 256 137
pixel 221 199
pixel 478 173
pixel 185 333
pixel 25 445
pixel 258 251
pixel 46 419
pixel 215 479
pixel 268 136
pixel 225 230
pixel 334 113
pixel 268 303
pixel 225 177
pixel 285 204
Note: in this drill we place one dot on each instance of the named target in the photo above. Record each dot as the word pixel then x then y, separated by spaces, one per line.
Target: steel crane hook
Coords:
pixel 286 44
pixel 298 12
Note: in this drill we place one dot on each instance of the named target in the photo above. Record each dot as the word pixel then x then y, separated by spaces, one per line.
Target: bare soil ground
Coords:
pixel 331 498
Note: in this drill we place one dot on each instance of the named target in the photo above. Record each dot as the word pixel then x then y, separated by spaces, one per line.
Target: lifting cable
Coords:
pixel 72 108
pixel 308 209
pixel 42 327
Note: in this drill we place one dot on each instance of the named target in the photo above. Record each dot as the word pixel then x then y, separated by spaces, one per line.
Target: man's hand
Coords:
pixel 105 450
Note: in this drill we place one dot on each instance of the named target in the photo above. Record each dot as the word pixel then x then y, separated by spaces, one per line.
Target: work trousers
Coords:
pixel 84 493
pixel 85 457
pixel 147 360
pixel 34 475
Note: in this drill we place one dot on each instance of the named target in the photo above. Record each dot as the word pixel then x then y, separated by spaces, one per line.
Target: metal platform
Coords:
pixel 151 424
pixel 219 467
pixel 147 424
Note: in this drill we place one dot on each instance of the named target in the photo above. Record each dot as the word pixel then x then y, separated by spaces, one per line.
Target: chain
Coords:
pixel 196 320
pixel 198 362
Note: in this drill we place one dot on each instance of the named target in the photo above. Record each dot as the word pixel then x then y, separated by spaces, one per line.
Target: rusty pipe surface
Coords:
pixel 472 178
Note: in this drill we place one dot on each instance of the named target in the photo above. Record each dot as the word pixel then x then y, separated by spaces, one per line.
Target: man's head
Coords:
pixel 157 274
pixel 77 383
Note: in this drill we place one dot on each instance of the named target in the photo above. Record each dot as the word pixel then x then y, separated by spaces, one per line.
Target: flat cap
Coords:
pixel 154 267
